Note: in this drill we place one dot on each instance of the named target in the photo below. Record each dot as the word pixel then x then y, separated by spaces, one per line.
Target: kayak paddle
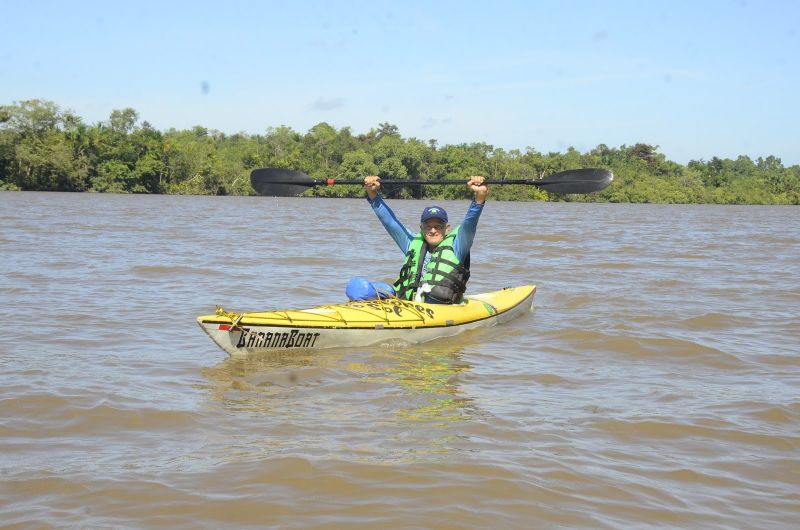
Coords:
pixel 279 182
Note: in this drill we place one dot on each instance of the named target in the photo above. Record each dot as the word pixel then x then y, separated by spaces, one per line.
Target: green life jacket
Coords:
pixel 445 274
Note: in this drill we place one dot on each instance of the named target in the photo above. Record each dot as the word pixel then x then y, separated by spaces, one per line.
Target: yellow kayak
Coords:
pixel 355 324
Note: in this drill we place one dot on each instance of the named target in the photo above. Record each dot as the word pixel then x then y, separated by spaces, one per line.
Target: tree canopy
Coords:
pixel 45 148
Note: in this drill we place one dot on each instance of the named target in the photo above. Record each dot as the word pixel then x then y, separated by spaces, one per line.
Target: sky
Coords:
pixel 698 78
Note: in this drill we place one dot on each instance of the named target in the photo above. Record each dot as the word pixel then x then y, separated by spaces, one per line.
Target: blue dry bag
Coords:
pixel 362 289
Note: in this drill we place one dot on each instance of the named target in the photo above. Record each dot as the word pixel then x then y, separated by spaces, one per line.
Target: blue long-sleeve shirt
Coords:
pixel 402 236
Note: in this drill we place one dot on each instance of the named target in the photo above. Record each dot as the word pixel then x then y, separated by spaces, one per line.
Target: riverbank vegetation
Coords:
pixel 45 148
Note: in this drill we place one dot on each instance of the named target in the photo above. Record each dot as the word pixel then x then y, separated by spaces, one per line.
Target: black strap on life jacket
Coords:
pixel 407 273
pixel 450 288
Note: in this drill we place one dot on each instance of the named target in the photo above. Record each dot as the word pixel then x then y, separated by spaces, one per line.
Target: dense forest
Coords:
pixel 45 148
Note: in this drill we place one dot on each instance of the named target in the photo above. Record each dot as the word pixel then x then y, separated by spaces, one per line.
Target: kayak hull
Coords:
pixel 356 324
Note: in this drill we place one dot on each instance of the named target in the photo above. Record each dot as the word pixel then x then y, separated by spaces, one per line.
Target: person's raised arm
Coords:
pixel 397 231
pixel 466 234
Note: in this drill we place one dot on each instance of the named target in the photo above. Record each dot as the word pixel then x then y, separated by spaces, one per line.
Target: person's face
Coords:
pixel 434 231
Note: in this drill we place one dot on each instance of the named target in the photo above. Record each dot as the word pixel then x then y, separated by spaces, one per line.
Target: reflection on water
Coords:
pixel 430 378
pixel 408 397
pixel 426 377
pixel 252 382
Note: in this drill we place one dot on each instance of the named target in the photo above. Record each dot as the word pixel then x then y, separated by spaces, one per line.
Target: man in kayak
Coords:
pixel 436 267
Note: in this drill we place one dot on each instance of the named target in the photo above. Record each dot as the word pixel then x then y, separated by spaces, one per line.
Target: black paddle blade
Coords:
pixel 576 181
pixel 279 182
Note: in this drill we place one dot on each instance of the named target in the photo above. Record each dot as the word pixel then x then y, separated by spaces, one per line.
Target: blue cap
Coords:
pixel 433 212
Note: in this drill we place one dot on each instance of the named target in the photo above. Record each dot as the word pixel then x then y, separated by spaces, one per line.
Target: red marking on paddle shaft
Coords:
pixel 329 182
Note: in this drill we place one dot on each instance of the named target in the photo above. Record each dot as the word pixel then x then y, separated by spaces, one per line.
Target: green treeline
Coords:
pixel 43 147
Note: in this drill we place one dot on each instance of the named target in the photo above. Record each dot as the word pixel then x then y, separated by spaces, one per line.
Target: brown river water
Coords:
pixel 655 384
